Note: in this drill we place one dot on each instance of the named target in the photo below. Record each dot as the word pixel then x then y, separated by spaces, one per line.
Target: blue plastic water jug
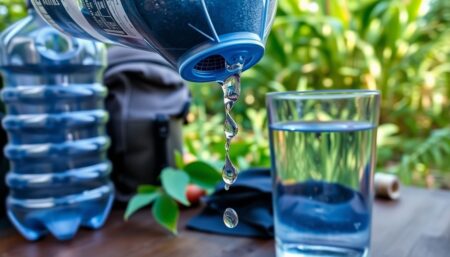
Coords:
pixel 199 37
pixel 59 175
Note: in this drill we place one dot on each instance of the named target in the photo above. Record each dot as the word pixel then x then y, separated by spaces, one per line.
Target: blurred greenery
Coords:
pixel 10 11
pixel 401 47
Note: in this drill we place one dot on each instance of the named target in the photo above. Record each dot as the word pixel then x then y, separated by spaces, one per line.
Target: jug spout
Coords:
pixel 208 62
pixel 198 37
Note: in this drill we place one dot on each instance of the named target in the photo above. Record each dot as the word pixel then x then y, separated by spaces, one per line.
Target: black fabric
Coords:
pixel 251 197
pixel 147 102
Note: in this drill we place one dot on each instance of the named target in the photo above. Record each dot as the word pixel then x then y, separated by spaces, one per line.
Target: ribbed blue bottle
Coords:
pixel 59 176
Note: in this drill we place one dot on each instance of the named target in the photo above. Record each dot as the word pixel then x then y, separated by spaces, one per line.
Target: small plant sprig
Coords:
pixel 175 182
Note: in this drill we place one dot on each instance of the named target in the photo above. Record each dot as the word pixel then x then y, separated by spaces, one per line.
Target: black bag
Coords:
pixel 147 102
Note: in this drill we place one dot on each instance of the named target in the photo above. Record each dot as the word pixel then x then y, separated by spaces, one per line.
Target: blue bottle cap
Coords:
pixel 208 62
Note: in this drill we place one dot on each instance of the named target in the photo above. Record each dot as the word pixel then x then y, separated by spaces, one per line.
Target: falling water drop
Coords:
pixel 229 172
pixel 230 218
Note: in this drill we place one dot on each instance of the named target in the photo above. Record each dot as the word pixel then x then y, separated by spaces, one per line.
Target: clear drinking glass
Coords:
pixel 323 146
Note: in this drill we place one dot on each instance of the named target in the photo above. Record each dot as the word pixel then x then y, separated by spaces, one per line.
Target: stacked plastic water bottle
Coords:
pixel 59 177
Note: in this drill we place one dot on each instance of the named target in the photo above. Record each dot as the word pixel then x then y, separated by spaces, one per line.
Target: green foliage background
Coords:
pixel 401 47
pixel 10 11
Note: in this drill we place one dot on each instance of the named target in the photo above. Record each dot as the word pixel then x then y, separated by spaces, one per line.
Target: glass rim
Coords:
pixel 322 94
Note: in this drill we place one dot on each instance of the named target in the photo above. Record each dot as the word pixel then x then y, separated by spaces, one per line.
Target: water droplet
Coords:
pixel 231 91
pixel 237 66
pixel 230 128
pixel 230 218
pixel 229 172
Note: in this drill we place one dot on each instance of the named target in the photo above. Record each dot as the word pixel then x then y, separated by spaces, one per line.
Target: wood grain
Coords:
pixel 418 225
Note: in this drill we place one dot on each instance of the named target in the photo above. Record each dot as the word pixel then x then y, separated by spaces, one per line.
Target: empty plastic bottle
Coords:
pixel 59 176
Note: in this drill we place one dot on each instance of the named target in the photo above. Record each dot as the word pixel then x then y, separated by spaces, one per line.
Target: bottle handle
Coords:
pixel 54 45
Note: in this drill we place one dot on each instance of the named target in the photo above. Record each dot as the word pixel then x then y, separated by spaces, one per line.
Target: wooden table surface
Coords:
pixel 418 225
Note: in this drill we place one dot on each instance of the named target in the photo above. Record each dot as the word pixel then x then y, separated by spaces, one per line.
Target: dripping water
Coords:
pixel 231 91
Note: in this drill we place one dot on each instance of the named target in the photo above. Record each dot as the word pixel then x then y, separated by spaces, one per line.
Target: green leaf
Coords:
pixel 277 45
pixel 147 189
pixel 166 213
pixel 437 157
pixel 414 9
pixel 138 202
pixel 203 174
pixel 175 183
pixel 191 147
pixel 179 162
pixel 339 9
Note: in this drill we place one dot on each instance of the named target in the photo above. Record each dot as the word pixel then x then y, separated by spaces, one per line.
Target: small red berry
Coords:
pixel 194 193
